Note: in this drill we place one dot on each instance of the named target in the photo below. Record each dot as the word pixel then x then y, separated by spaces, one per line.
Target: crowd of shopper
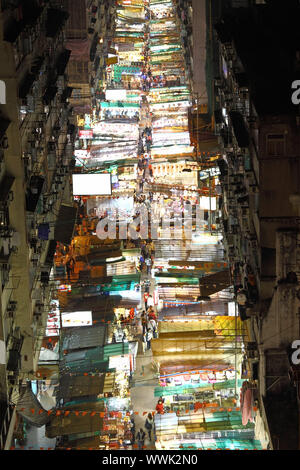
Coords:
pixel 149 325
pixel 147 257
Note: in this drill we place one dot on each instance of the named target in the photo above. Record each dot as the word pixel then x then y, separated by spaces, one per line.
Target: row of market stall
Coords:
pixel 200 358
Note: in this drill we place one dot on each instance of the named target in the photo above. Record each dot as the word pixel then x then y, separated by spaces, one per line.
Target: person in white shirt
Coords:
pixel 150 301
pixel 149 336
pixel 149 265
pixel 153 326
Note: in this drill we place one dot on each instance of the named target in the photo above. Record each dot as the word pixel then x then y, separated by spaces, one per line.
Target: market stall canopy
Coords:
pixel 80 386
pixel 83 337
pixel 190 387
pixel 115 350
pixel 214 283
pixel 85 443
pixel 73 424
pixel 86 359
pixel 79 47
pixel 220 324
pixel 64 227
pixel 29 407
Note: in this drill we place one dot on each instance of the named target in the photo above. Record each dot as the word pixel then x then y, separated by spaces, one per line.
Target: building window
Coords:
pixel 275 145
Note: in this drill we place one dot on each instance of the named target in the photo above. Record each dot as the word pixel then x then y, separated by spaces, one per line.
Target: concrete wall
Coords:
pixel 199 50
pixel 14 165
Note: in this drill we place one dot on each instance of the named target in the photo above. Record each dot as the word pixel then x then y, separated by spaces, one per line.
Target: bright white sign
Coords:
pixel 81 153
pixel 206 205
pixel 119 362
pixel 115 95
pixel 2 92
pixel 76 319
pixel 92 184
pixel 2 352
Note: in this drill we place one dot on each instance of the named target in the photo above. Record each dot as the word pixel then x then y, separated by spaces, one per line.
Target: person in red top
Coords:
pixel 151 314
pixel 131 314
pixel 146 295
pixel 160 407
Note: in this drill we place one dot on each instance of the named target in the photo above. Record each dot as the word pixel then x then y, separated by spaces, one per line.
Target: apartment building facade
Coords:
pixel 258 129
pixel 37 141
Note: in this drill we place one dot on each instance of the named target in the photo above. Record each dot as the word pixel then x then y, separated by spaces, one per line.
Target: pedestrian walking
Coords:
pixel 144 322
pixel 160 407
pixel 146 297
pixel 142 262
pixel 131 314
pixel 149 424
pixel 151 314
pixel 153 326
pixel 150 301
pixel 149 336
pixel 140 437
pixel 144 341
pixel 69 269
pixel 149 266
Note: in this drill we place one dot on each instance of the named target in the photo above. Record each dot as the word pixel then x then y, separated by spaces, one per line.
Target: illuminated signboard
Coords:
pixel 207 203
pixel 92 184
pixel 87 134
pixel 116 95
pixel 76 319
